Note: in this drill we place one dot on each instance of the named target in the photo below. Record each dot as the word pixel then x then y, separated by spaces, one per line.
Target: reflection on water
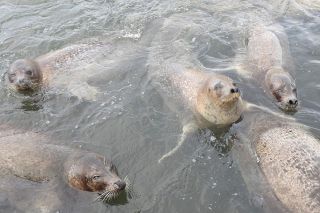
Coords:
pixel 130 121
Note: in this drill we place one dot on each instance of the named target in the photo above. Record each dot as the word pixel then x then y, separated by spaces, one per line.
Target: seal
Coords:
pixel 213 99
pixel 269 63
pixel 81 170
pixel 54 70
pixel 279 160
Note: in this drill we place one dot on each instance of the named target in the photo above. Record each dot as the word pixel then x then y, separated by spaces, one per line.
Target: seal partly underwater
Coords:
pixel 212 99
pixel 25 156
pixel 269 63
pixel 280 162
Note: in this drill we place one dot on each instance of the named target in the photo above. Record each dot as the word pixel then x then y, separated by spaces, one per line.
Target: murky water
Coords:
pixel 130 121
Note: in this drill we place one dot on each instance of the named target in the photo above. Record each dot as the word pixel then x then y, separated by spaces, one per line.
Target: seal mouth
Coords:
pixel 288 107
pixel 230 99
pixel 28 86
pixel 110 195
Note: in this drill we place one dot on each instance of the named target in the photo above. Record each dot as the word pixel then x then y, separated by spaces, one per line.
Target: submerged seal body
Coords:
pixel 40 162
pixel 270 63
pixel 206 99
pixel 280 161
pixel 53 70
pixel 214 99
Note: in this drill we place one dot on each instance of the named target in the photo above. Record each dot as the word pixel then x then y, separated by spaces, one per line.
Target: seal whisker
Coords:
pixel 101 195
pixel 106 196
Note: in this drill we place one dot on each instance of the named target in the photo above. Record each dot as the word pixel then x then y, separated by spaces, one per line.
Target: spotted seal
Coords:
pixel 280 162
pixel 269 63
pixel 67 68
pixel 213 99
pixel 81 170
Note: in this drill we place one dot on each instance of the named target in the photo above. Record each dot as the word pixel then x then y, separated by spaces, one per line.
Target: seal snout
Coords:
pixel 234 90
pixel 293 102
pixel 120 185
pixel 290 103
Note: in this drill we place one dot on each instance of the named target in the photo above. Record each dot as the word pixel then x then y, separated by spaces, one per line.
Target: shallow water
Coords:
pixel 131 122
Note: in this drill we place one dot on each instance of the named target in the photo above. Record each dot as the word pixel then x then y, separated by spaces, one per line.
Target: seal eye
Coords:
pixel 95 177
pixel 12 75
pixel 29 72
pixel 218 86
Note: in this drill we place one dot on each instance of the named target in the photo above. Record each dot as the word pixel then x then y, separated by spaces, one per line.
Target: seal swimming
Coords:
pixel 213 99
pixel 280 161
pixel 270 64
pixel 75 69
pixel 81 170
pixel 53 70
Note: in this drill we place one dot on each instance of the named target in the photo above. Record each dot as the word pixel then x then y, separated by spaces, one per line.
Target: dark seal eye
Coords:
pixel 95 177
pixel 12 75
pixel 29 72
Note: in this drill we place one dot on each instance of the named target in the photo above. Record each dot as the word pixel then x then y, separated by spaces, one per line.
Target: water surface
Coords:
pixel 131 122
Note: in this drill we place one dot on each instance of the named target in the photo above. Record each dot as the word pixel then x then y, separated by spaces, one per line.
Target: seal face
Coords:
pixel 25 75
pixel 223 93
pixel 282 88
pixel 92 172
pixel 219 101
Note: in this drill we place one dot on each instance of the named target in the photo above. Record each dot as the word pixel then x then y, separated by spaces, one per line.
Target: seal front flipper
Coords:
pixel 186 130
pixel 83 90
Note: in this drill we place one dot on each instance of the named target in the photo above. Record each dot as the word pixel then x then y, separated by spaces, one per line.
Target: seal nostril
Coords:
pixel 121 184
pixel 234 90
pixel 293 101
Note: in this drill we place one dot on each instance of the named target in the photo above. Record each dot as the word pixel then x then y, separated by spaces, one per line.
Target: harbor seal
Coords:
pixel 213 99
pixel 81 170
pixel 280 162
pixel 270 64
pixel 67 68
pixel 203 99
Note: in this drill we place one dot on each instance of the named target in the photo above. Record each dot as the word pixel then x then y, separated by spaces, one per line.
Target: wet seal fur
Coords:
pixel 28 75
pixel 214 99
pixel 38 162
pixel 280 162
pixel 269 62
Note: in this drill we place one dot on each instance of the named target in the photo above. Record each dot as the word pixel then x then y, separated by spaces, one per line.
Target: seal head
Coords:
pixel 25 75
pixel 92 172
pixel 282 88
pixel 219 101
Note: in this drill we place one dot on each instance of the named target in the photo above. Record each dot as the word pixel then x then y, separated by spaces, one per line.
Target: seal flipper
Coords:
pixel 83 90
pixel 186 130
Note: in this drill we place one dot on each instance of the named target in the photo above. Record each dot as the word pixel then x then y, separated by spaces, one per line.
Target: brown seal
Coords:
pixel 280 161
pixel 80 169
pixel 270 63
